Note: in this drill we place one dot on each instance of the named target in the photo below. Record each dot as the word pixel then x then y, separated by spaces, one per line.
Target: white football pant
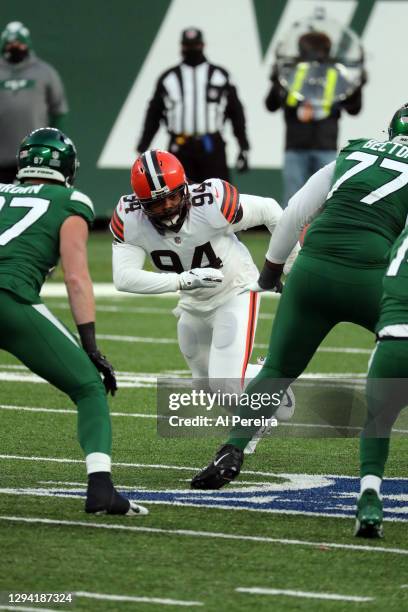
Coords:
pixel 218 345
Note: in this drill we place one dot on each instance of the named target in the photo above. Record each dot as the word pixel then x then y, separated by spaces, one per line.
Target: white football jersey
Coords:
pixel 206 239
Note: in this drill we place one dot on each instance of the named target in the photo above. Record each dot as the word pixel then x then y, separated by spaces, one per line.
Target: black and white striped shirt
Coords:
pixel 192 101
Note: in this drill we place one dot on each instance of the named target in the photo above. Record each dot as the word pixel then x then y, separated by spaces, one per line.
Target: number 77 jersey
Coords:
pixel 366 207
pixel 31 216
pixel 206 239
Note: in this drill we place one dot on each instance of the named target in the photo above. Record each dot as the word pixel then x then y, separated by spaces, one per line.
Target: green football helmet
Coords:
pixel 399 124
pixel 47 153
pixel 15 30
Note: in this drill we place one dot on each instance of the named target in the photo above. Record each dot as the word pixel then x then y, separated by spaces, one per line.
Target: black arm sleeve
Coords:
pixel 155 113
pixel 235 112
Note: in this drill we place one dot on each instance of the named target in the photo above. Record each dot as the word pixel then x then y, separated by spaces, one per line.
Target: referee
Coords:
pixel 194 99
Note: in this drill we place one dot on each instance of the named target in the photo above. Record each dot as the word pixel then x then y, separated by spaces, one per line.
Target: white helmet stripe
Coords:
pixel 152 170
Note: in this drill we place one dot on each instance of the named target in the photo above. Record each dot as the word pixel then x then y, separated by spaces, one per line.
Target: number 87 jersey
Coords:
pixel 206 238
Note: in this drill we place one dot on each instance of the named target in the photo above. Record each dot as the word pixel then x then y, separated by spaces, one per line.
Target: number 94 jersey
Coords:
pixel 206 239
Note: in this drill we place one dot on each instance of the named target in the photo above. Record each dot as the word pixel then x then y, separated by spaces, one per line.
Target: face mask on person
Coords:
pixel 15 53
pixel 193 56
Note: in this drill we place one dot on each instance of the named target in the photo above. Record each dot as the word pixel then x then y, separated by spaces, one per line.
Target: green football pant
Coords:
pixel 318 294
pixel 31 333
pixel 387 395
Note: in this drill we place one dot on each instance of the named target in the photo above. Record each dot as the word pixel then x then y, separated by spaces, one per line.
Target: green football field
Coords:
pixel 279 539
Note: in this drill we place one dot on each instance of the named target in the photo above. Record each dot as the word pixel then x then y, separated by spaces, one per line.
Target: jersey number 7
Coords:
pixel 37 208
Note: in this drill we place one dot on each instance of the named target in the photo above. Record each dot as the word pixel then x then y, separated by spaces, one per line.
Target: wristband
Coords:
pixel 87 334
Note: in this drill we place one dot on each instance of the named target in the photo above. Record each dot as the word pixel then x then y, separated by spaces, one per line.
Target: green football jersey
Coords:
pixel 31 216
pixel 394 303
pixel 366 208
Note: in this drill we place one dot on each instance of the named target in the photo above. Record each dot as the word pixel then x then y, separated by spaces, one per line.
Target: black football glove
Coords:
pixel 269 278
pixel 242 161
pixel 88 340
pixel 106 369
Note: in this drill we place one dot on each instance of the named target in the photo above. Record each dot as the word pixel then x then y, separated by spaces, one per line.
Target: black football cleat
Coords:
pixel 102 498
pixel 225 468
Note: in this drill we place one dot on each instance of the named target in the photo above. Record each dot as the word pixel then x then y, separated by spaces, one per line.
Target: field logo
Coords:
pixel 299 494
pixel 304 494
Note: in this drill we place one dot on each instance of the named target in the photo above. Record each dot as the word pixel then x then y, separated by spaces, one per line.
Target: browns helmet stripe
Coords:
pixel 157 167
pixel 147 172
pixel 153 171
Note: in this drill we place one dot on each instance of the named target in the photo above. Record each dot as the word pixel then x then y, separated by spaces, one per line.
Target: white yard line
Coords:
pixel 164 466
pixel 136 310
pixel 303 594
pixel 150 340
pixel 349 350
pixel 116 309
pixel 102 290
pixel 135 599
pixel 203 534
pixel 83 485
pixel 130 380
pixel 137 383
pixel 138 415
pixel 135 465
pixel 123 373
pixel 350 376
pixel 140 339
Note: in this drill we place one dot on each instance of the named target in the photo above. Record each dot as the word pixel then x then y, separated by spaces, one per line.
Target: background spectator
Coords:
pixel 194 99
pixel 311 130
pixel 31 95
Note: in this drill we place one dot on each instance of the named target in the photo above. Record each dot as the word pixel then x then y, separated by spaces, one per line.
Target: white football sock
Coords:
pixel 98 462
pixel 370 482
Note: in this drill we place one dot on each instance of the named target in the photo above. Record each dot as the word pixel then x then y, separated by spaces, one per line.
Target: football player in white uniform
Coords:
pixel 188 231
